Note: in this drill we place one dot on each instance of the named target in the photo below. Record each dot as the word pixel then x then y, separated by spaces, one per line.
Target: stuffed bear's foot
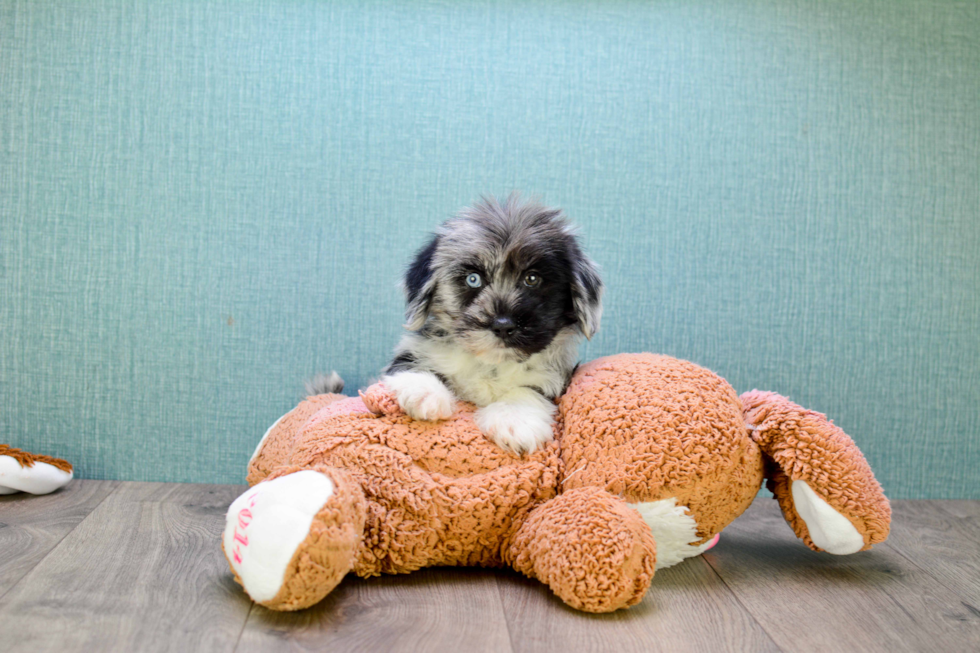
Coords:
pixel 290 539
pixel 824 486
pixel 593 550
pixel 24 472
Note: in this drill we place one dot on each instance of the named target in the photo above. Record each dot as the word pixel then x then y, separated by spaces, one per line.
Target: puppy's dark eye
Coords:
pixel 474 280
pixel 531 279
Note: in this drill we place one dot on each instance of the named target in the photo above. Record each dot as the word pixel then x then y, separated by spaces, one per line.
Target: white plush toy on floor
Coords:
pixel 24 472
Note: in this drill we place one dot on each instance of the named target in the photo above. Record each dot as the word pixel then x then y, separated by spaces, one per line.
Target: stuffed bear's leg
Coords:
pixel 291 538
pixel 24 472
pixel 824 486
pixel 275 447
pixel 593 550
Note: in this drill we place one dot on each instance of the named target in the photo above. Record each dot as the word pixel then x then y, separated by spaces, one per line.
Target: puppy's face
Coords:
pixel 503 281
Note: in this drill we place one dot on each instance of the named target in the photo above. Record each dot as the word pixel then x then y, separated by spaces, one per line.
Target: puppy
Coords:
pixel 497 303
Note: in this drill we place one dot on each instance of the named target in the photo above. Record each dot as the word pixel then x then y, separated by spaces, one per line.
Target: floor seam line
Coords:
pixel 503 611
pixel 924 570
pixel 62 539
pixel 238 640
pixel 740 604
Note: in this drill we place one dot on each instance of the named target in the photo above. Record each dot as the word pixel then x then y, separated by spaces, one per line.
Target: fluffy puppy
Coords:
pixel 497 303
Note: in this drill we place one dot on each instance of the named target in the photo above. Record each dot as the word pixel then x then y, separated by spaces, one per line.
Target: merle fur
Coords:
pixel 502 242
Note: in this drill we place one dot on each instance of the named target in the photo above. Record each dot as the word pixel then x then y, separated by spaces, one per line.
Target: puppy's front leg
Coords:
pixel 421 394
pixel 521 421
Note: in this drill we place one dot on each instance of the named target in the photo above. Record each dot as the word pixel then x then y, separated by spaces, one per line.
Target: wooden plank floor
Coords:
pixel 109 566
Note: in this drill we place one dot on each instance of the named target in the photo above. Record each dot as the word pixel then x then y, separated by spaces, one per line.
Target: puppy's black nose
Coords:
pixel 503 326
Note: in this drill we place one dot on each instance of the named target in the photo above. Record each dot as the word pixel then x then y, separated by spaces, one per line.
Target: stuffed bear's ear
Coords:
pixel 587 295
pixel 420 286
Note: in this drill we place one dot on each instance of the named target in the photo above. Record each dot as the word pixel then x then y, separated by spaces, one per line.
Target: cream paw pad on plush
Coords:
pixel 24 472
pixel 290 540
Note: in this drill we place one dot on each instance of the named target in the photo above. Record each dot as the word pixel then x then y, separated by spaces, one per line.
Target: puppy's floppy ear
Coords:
pixel 587 294
pixel 420 286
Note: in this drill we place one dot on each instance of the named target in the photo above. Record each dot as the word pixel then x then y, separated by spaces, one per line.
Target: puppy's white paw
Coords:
pixel 517 427
pixel 422 395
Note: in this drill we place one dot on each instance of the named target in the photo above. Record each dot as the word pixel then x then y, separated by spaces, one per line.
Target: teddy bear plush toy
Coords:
pixel 652 458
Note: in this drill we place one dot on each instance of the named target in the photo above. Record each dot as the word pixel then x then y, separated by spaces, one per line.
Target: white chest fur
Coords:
pixel 483 381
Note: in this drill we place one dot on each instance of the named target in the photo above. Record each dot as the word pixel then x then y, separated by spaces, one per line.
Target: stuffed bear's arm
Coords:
pixel 593 550
pixel 825 487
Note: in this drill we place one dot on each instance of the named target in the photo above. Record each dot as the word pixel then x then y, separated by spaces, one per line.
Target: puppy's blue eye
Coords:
pixel 473 280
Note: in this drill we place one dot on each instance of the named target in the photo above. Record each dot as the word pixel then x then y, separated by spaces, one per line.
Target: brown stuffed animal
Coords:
pixel 652 458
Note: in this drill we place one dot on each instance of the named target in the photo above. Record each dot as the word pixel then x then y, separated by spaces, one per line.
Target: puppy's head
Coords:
pixel 504 280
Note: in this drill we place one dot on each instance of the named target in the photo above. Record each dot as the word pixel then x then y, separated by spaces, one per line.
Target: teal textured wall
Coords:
pixel 203 203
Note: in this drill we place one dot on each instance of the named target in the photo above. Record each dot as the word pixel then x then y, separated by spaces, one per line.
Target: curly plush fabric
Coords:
pixel 25 459
pixel 694 445
pixel 803 445
pixel 277 444
pixel 327 553
pixel 436 493
pixel 638 438
pixel 594 552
